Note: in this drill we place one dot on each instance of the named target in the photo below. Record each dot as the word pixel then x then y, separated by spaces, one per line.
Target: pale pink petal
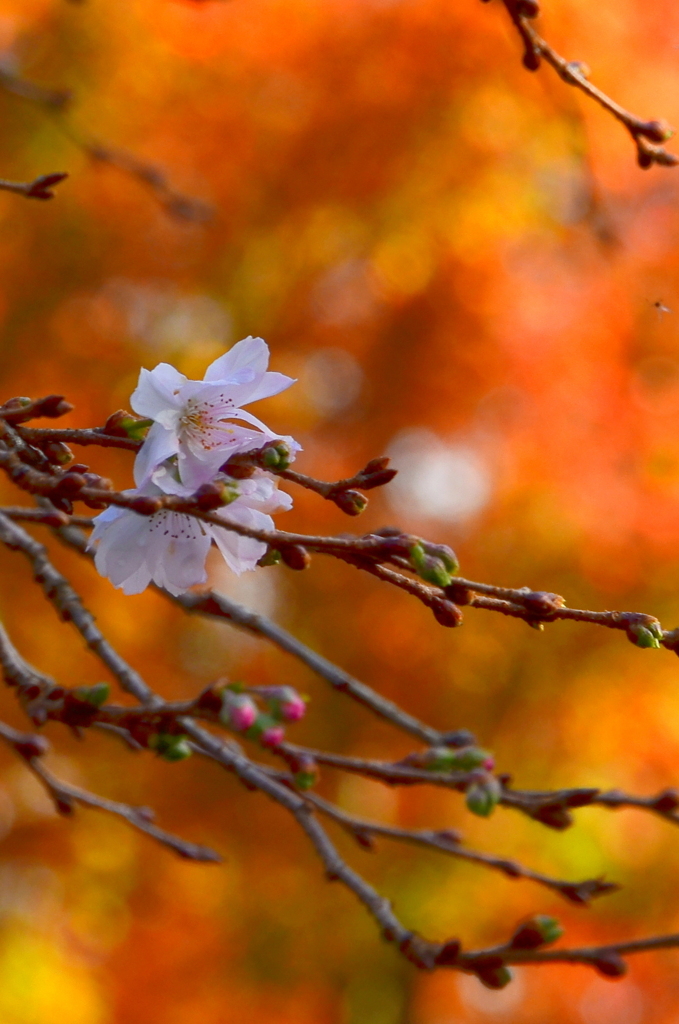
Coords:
pixel 268 434
pixel 119 553
pixel 261 492
pixel 251 353
pixel 160 444
pixel 196 470
pixel 157 390
pixel 179 561
pixel 137 582
pixel 241 553
pixel 264 387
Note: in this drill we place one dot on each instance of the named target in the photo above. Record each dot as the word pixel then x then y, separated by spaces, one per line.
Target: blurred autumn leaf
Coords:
pixel 462 265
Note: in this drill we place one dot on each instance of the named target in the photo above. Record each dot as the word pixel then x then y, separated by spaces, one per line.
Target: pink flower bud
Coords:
pixel 489 764
pixel 293 709
pixel 239 711
pixel 273 736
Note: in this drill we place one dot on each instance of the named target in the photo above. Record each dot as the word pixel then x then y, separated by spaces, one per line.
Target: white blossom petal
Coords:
pixel 241 553
pixel 251 353
pixel 160 444
pixel 179 562
pixel 261 492
pixel 157 390
pixel 268 384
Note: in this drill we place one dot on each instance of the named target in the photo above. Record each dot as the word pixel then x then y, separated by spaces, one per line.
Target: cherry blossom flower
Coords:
pixel 170 548
pixel 194 419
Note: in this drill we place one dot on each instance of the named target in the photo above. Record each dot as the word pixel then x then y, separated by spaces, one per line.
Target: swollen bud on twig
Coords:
pixel 276 456
pixel 429 568
pixel 125 424
pixel 351 502
pixel 445 553
pixel 290 705
pixel 42 187
pixel 494 977
pixel 97 694
pixel 539 930
pixel 656 131
pixel 611 965
pixel 446 613
pixel 666 801
pixel 376 473
pixel 170 747
pixel 218 492
pixel 31 746
pixel 57 452
pixel 239 712
pixel 647 635
pixel 439 759
pixel 295 556
pixel 305 772
pixel 267 730
pixel 271 557
pixel 449 952
pixel 482 797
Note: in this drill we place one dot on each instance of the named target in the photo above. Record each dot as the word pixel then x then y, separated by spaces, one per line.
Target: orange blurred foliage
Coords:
pixel 461 263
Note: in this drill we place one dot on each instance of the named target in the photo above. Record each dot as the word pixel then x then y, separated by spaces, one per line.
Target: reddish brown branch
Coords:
pixel 40 188
pixel 54 102
pixel 648 136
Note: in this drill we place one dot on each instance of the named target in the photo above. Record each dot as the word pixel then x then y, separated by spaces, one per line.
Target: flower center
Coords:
pixel 202 422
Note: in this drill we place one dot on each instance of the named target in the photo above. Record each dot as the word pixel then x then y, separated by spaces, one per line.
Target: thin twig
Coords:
pixel 39 188
pixel 31 748
pixel 214 605
pixel 448 842
pixel 70 607
pixel 647 135
pixel 54 102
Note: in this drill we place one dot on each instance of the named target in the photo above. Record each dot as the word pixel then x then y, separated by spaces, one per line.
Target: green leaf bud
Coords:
pixel 537 931
pixel 469 758
pixel 446 554
pixel 97 694
pixel 644 636
pixel 482 797
pixel 428 567
pixel 170 747
pixel 494 977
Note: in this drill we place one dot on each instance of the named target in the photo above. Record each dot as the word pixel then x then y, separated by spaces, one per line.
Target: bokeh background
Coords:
pixel 461 263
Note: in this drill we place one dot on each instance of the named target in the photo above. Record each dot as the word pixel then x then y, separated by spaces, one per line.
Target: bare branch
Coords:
pixel 39 188
pixel 54 102
pixel 449 842
pixel 31 748
pixel 647 135
pixel 71 609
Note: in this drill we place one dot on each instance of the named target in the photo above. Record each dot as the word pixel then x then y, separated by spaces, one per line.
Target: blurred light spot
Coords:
pixel 404 263
pixel 162 317
pixel 604 1003
pixel 655 386
pixel 209 647
pixel 345 294
pixel 41 980
pixel 332 380
pixel 31 893
pixel 491 1001
pixel 564 191
pixel 502 408
pixel 365 798
pixel 257 589
pixel 436 480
